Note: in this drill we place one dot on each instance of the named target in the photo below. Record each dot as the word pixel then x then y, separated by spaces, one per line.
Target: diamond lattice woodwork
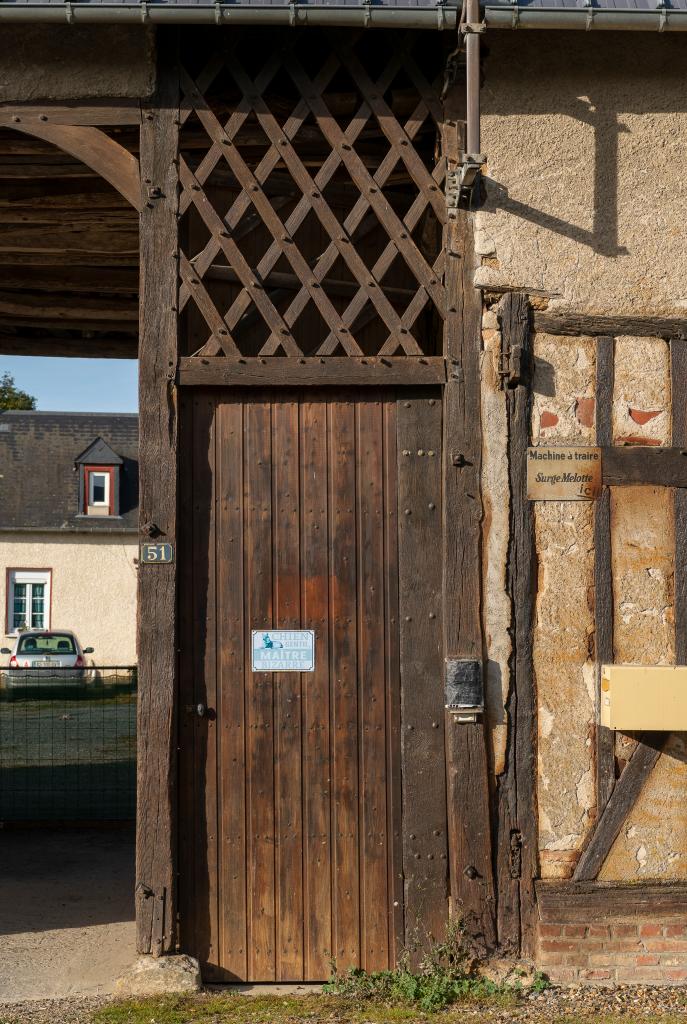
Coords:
pixel 312 211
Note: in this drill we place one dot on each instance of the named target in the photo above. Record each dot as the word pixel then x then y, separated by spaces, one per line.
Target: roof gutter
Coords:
pixel 442 16
pixel 585 18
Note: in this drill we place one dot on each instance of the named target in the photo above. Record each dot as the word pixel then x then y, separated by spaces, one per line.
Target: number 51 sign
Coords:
pixel 156 554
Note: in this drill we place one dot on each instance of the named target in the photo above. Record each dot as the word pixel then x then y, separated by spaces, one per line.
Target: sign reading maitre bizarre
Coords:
pixel 563 474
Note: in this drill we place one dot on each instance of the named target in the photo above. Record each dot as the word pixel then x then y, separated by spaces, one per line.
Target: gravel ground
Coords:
pixel 50 1011
pixel 536 1008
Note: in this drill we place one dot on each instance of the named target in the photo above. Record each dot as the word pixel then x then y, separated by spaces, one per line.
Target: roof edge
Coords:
pixel 439 17
pixel 512 16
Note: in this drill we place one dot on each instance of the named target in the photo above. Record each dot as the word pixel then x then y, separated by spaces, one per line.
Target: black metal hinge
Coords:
pixel 516 367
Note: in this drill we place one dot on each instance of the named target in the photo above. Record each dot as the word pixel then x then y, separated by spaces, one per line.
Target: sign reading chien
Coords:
pixel 563 474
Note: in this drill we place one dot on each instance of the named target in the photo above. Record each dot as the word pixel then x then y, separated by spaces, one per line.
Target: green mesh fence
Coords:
pixel 68 745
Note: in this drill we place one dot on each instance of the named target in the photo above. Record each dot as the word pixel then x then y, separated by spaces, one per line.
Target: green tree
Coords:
pixel 11 397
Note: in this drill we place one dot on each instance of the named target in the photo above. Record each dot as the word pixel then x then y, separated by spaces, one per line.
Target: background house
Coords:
pixel 68 508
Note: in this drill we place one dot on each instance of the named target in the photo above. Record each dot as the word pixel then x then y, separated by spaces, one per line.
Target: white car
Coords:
pixel 42 658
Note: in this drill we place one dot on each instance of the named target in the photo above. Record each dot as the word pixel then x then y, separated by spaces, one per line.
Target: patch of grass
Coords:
pixel 228 1008
pixel 429 992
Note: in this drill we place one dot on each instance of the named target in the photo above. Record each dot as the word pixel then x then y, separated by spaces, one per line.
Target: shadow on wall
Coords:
pixel 597 80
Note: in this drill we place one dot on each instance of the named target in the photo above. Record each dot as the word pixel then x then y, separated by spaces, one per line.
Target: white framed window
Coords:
pixel 98 488
pixel 28 599
pixel 98 491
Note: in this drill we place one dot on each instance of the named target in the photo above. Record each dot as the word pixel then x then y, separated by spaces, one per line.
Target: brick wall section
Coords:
pixel 640 952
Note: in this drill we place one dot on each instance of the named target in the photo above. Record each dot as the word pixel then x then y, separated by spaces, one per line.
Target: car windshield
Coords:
pixel 47 643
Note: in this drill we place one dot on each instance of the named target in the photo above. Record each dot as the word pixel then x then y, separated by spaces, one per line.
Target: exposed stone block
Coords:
pixel 151 976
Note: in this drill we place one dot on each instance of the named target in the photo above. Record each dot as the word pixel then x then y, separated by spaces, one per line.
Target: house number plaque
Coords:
pixel 555 473
pixel 156 554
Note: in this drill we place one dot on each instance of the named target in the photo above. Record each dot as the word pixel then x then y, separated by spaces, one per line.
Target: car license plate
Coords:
pixel 47 664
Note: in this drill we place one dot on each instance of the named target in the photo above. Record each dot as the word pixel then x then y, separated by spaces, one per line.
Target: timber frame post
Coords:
pixel 517 855
pixel 467 769
pixel 156 852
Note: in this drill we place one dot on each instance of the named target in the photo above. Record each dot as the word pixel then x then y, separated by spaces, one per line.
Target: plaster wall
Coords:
pixel 586 140
pixel 586 145
pixel 563 413
pixel 93 588
pixel 64 62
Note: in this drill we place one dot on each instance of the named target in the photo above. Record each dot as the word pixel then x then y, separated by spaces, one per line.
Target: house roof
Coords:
pixel 39 479
pixel 98 454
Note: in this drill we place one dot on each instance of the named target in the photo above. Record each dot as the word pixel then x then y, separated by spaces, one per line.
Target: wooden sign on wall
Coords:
pixel 555 473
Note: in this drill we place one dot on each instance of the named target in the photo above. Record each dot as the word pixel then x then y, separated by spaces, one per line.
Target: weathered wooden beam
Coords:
pixel 603 574
pixel 94 280
pixel 589 325
pixel 678 389
pixel 115 112
pixel 69 240
pixel 81 312
pixel 90 193
pixel 96 150
pixel 282 372
pixel 156 826
pixel 517 854
pixel 66 258
pixel 423 773
pixel 97 218
pixel 591 902
pixel 658 467
pixel 622 800
pixel 25 344
pixel 467 768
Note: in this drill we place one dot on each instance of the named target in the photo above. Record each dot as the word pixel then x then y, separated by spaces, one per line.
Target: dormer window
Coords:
pixel 98 491
pixel 99 480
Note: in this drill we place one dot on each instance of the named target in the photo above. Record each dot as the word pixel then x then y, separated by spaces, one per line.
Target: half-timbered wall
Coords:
pixel 597 269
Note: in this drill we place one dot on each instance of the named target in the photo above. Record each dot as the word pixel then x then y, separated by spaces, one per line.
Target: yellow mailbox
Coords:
pixel 637 697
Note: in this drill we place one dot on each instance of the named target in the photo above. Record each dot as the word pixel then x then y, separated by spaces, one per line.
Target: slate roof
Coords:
pixel 39 484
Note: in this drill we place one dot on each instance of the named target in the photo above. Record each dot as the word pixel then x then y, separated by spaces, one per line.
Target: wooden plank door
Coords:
pixel 293 847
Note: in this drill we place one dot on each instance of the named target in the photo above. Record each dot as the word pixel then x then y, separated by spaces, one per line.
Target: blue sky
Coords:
pixel 76 385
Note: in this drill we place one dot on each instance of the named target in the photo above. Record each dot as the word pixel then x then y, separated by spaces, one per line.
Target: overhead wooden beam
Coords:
pixel 69 241
pixel 80 348
pixel 622 800
pixel 292 282
pixel 587 324
pixel 592 902
pixel 90 193
pixel 603 571
pixel 72 112
pixel 92 280
pixel 96 150
pixel 278 371
pixel 156 825
pixel 81 312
